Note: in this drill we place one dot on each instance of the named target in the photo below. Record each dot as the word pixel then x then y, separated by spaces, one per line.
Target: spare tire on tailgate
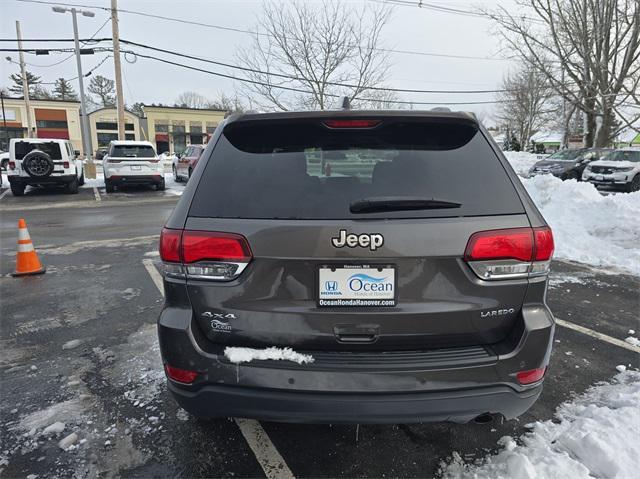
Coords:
pixel 37 164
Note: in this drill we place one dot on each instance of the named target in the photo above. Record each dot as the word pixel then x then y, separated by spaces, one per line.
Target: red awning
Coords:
pixel 50 133
pixel 162 136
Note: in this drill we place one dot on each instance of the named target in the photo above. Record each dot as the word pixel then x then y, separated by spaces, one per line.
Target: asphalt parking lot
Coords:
pixel 78 346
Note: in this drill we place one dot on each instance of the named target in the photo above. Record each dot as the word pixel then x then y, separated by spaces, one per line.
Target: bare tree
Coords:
pixel 104 89
pixel 192 99
pixel 526 103
pixel 588 51
pixel 305 51
pixel 231 104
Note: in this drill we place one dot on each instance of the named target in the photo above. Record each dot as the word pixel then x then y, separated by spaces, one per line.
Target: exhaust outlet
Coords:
pixel 485 418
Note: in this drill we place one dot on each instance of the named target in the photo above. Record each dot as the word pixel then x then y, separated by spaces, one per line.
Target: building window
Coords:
pixel 162 128
pixel 113 126
pixel 59 124
pixel 196 139
pixel 178 129
pixel 129 136
pixel 105 138
pixel 195 127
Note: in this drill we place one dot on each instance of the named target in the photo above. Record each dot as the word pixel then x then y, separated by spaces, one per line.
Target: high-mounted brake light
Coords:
pixel 510 253
pixel 203 254
pixel 351 123
pixel 178 375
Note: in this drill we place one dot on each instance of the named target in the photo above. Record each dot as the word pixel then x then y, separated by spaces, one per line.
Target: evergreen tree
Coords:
pixel 138 109
pixel 32 80
pixel 63 90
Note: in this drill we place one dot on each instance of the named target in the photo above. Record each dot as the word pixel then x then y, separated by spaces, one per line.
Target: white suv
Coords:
pixel 132 163
pixel 43 162
pixel 620 168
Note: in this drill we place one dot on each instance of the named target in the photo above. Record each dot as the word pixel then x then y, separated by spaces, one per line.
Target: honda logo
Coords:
pixel 331 285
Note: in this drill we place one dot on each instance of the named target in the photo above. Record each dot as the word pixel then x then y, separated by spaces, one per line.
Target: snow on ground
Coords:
pixel 522 161
pixel 594 435
pixel 245 355
pixel 588 227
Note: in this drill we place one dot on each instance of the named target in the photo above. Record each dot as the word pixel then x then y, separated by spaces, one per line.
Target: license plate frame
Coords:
pixel 381 276
pixel 136 167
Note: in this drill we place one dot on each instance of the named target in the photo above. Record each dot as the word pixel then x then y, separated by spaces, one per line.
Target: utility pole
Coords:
pixel 25 84
pixel 4 119
pixel 115 30
pixel 84 121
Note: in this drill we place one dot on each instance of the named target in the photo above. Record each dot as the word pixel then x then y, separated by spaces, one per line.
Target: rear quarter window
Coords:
pixel 304 170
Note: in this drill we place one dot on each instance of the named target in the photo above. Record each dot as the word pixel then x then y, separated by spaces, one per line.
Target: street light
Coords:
pixel 86 146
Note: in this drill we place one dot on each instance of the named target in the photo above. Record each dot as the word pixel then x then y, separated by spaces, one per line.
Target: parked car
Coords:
pixel 183 165
pixel 4 160
pixel 568 164
pixel 131 162
pixel 100 152
pixel 408 288
pixel 619 169
pixel 43 162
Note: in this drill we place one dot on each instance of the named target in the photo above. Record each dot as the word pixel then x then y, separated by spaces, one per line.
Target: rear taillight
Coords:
pixel 12 165
pixel 510 253
pixel 183 376
pixel 531 376
pixel 154 161
pixel 65 164
pixel 203 254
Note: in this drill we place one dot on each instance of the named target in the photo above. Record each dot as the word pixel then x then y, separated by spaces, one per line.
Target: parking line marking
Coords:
pixel 266 453
pixel 4 193
pixel 155 275
pixel 597 335
pixel 96 193
pixel 270 460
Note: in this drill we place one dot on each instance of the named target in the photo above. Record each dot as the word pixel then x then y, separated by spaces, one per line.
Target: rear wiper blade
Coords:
pixel 376 204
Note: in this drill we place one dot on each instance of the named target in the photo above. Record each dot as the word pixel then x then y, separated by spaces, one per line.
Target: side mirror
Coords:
pixel 76 152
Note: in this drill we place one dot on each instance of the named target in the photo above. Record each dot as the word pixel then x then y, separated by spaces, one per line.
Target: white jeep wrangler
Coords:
pixel 43 162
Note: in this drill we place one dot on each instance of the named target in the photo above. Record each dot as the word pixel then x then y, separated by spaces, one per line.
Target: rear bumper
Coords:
pixel 439 386
pixel 119 180
pixel 459 406
pixel 49 180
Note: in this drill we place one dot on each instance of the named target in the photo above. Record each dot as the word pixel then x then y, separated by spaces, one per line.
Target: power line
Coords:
pixel 254 32
pixel 291 77
pixel 300 90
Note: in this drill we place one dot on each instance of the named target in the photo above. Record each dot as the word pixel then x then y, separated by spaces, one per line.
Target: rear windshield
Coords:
pixel 304 170
pixel 51 148
pixel 132 151
pixel 623 155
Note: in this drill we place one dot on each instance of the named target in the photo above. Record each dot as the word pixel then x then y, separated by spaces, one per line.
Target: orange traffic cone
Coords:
pixel 27 261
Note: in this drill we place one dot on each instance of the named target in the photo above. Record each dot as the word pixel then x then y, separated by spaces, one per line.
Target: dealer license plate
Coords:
pixel 357 286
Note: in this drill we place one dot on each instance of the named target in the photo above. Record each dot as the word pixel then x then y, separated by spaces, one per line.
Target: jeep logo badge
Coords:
pixel 366 240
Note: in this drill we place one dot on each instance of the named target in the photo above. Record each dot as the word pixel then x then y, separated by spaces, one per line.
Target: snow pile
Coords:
pixel 245 355
pixel 595 435
pixel 588 227
pixel 521 161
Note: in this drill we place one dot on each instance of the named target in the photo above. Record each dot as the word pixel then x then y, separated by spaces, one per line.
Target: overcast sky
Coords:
pixel 410 28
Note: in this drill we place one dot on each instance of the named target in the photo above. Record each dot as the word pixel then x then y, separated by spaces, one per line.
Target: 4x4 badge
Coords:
pixel 366 240
pixel 209 314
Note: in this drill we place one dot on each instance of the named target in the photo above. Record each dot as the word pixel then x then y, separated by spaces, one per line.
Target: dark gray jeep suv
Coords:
pixel 397 251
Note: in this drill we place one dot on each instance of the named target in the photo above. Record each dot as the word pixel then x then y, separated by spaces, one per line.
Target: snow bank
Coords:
pixel 588 227
pixel 521 161
pixel 245 355
pixel 595 435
